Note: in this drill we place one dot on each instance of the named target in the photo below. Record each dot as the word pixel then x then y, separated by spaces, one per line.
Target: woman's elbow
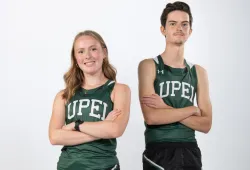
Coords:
pixel 52 141
pixel 116 134
pixel 117 131
pixel 53 138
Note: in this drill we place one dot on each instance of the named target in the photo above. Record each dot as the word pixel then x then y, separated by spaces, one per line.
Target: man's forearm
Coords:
pixel 167 116
pixel 198 123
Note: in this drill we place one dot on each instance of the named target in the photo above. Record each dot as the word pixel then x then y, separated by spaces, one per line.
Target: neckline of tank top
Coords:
pixel 174 70
pixel 90 91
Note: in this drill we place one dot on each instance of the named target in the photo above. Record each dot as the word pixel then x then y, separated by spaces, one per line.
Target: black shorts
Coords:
pixel 172 156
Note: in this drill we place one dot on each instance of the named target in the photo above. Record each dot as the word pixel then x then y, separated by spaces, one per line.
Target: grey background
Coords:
pixel 36 38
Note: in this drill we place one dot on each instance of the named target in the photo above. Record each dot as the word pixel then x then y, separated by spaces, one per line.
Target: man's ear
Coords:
pixel 190 31
pixel 163 31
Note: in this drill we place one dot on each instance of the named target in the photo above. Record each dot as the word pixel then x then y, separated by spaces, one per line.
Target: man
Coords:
pixel 167 88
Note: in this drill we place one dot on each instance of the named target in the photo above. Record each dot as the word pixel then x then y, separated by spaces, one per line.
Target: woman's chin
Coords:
pixel 89 71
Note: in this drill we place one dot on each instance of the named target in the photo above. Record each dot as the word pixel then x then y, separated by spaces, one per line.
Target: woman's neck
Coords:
pixel 92 81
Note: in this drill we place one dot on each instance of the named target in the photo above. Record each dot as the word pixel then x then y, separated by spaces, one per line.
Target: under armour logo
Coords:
pixel 162 71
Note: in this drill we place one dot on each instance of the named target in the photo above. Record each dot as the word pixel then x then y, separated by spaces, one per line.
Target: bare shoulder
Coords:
pixel 202 75
pixel 146 64
pixel 146 70
pixel 59 97
pixel 121 88
pixel 200 69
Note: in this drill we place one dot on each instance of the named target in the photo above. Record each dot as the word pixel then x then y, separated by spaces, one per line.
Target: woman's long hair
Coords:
pixel 74 78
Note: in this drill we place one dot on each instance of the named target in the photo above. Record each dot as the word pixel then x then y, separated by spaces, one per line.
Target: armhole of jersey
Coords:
pixel 195 74
pixel 191 65
pixel 111 82
pixel 156 61
pixel 110 88
pixel 192 69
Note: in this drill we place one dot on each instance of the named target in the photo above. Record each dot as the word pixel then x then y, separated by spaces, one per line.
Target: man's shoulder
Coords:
pixel 149 62
pixel 200 69
pixel 147 67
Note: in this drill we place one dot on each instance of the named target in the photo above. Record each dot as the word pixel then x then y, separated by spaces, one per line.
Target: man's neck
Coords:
pixel 174 56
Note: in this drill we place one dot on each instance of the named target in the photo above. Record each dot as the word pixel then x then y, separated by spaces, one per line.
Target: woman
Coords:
pixel 94 107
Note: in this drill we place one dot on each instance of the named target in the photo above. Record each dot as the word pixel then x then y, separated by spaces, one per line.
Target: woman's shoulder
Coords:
pixel 60 96
pixel 120 87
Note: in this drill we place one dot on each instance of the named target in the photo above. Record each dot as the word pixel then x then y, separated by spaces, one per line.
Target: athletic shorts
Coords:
pixel 172 156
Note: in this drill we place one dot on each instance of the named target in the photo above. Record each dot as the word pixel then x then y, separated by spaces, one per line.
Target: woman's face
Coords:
pixel 89 54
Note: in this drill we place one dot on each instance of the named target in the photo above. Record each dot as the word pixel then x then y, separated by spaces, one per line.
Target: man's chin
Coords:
pixel 179 43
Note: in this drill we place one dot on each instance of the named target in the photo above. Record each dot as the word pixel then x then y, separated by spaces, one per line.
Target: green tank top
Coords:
pixel 177 87
pixel 91 106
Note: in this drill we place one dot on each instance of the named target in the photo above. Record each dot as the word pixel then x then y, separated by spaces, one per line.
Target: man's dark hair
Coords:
pixel 180 6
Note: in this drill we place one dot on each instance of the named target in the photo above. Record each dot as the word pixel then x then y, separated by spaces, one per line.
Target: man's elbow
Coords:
pixel 149 121
pixel 150 118
pixel 207 128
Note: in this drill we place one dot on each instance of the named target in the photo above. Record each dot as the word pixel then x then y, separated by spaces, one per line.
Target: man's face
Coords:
pixel 177 28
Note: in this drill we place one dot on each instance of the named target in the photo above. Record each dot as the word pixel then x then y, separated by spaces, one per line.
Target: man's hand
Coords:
pixel 198 111
pixel 154 101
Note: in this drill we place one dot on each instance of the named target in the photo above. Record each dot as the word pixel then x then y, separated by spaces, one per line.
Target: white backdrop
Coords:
pixel 36 38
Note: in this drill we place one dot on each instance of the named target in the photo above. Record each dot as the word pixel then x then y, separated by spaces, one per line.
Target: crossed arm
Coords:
pixel 201 123
pixel 113 126
pixel 156 112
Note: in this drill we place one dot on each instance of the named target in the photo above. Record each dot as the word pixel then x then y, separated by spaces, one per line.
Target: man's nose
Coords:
pixel 179 27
